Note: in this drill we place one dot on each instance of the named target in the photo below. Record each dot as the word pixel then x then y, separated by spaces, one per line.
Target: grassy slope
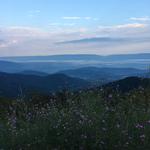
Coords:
pixel 89 120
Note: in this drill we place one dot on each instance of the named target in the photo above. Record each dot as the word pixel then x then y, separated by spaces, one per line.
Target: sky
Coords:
pixel 49 27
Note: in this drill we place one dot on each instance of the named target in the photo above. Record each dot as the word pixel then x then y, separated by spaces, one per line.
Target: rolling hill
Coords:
pixel 46 67
pixel 13 85
pixel 103 75
pixel 6 66
pixel 37 73
pixel 129 84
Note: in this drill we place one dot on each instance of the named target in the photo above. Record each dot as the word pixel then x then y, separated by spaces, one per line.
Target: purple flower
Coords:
pixel 142 137
pixel 139 126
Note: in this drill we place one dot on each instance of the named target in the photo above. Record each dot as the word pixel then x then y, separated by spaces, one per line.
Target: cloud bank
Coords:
pixel 123 38
pixel 140 18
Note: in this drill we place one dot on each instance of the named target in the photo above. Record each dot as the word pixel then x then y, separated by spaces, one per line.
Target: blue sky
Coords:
pixel 47 22
pixel 39 13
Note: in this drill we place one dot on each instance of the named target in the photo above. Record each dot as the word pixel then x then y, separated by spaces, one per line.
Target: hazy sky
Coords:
pixel 38 27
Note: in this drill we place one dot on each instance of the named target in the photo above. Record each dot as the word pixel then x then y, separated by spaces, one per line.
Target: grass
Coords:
pixel 89 120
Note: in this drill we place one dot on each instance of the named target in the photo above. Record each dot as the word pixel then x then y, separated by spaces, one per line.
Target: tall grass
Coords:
pixel 77 121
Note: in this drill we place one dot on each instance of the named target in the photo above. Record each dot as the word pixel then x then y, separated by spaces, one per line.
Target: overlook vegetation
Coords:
pixel 104 118
pixel 74 74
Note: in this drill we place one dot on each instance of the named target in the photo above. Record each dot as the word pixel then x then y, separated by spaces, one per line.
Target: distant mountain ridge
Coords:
pixel 56 63
pixel 77 57
pixel 103 74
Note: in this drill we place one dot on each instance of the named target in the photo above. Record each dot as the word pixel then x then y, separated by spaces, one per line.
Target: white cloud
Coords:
pixel 80 18
pixel 34 41
pixel 132 25
pixel 87 18
pixel 123 26
pixel 96 19
pixel 22 32
pixel 140 18
pixel 71 18
pixel 61 24
pixel 33 13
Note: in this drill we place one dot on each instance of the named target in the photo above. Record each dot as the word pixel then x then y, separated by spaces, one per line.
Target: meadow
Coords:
pixel 85 120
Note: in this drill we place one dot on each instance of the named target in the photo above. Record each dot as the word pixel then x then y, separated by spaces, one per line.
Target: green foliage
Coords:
pixel 88 120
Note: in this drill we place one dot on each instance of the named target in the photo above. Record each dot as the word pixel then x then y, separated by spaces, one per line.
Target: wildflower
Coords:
pixel 101 89
pixel 80 122
pixel 118 125
pixel 130 138
pixel 104 129
pixel 142 137
pixel 107 108
pixel 84 136
pixel 102 142
pixel 103 121
pixel 139 126
pixel 110 96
